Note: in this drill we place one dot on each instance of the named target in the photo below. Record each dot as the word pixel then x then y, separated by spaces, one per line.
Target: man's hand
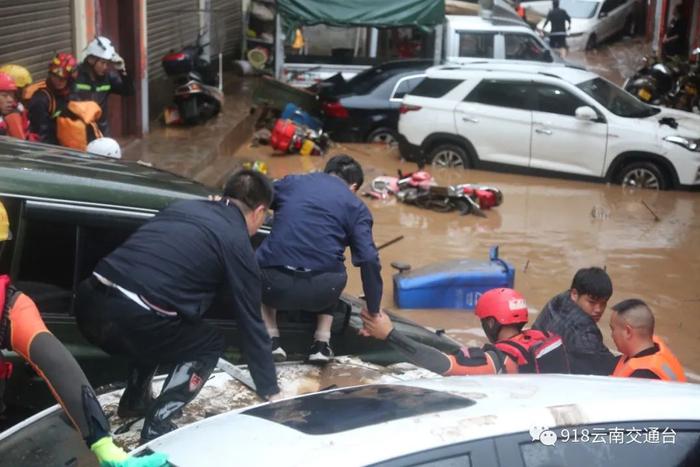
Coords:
pixel 118 63
pixel 378 326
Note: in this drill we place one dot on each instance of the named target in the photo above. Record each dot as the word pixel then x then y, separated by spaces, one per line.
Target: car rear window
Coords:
pixel 435 87
pixel 350 408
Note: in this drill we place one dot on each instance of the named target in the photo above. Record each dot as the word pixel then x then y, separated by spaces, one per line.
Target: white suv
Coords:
pixel 547 118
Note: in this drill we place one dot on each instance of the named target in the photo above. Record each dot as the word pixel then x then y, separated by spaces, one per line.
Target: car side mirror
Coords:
pixel 586 113
pixel 603 14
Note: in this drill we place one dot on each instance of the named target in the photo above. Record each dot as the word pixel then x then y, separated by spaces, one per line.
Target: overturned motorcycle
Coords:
pixel 420 189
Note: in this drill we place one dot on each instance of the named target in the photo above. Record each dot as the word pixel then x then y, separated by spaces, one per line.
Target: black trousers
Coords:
pixel 119 326
pixel 316 292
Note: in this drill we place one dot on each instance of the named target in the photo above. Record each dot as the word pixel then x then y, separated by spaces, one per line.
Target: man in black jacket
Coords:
pixel 145 300
pixel 574 314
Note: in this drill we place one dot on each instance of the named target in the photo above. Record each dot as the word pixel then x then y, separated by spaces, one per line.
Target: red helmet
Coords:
pixel 7 84
pixel 506 306
pixel 64 66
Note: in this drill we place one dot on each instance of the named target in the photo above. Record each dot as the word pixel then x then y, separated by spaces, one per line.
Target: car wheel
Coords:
pixel 383 136
pixel 449 155
pixel 643 175
pixel 592 42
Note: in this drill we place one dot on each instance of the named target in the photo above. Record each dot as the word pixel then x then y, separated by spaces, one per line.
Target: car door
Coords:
pixel 657 443
pixel 493 109
pixel 606 19
pixel 560 141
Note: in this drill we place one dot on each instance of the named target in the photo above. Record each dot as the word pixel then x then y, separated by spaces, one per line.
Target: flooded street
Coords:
pixel 547 229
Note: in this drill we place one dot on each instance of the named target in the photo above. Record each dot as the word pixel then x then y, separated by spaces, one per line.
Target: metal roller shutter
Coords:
pixel 227 19
pixel 33 31
pixel 171 25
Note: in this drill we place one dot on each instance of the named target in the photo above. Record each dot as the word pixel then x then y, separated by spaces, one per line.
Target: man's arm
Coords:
pixel 547 20
pixel 39 118
pixel 379 326
pixel 121 84
pixel 243 279
pixel 588 354
pixel 366 256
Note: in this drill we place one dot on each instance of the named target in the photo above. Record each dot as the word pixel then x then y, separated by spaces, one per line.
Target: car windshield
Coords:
pixel 579 8
pixel 616 100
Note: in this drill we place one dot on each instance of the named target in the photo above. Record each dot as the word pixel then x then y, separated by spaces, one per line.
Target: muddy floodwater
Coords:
pixel 546 228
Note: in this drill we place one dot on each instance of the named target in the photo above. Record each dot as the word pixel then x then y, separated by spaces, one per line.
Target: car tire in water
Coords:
pixel 383 135
pixel 449 155
pixel 592 42
pixel 643 175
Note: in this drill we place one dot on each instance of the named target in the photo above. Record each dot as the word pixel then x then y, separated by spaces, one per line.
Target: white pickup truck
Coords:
pixel 461 37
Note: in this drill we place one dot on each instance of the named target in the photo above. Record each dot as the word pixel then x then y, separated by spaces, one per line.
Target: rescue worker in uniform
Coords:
pixel 102 73
pixel 22 78
pixel 23 331
pixel 13 118
pixel 503 313
pixel 643 354
pixel 49 98
pixel 145 300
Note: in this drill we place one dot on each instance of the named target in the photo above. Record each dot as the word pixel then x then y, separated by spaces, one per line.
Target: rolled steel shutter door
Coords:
pixel 171 24
pixel 227 19
pixel 33 31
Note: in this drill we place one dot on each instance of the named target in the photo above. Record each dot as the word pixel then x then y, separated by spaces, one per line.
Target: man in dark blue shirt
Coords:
pixel 317 216
pixel 145 300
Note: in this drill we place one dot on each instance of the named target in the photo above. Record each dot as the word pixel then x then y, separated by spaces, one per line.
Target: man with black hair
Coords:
pixel 559 18
pixel 574 314
pixel 643 354
pixel 317 216
pixel 145 300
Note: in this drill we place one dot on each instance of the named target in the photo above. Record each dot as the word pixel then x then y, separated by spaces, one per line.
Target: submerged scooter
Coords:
pixel 420 189
pixel 196 96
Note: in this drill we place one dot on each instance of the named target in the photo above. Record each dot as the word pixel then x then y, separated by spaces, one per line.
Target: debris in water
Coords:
pixel 656 218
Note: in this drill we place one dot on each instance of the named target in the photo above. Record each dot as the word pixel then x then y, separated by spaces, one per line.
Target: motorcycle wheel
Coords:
pixel 189 110
pixel 463 207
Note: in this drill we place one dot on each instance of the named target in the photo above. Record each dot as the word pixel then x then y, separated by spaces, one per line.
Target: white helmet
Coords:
pixel 105 147
pixel 101 47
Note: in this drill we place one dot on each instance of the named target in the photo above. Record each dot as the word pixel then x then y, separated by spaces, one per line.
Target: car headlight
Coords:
pixel 688 143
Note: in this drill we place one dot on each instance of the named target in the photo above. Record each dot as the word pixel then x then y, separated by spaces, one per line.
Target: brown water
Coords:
pixel 547 229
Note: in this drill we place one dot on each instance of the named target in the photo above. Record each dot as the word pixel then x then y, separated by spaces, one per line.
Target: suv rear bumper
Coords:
pixel 410 152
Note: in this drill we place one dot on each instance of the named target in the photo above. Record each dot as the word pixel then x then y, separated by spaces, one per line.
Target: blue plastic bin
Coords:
pixel 297 115
pixel 452 284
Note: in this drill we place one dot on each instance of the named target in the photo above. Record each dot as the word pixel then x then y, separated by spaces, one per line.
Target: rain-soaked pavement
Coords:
pixel 547 229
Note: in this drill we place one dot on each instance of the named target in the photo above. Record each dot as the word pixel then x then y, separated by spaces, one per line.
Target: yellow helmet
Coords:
pixel 5 233
pixel 19 74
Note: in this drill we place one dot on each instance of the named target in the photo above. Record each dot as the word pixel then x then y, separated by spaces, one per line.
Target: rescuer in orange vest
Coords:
pixel 643 354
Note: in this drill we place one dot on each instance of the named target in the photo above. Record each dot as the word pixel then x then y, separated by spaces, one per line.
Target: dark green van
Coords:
pixel 68 209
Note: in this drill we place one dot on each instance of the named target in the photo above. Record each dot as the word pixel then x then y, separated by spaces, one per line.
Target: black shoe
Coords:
pixel 278 353
pixel 181 386
pixel 320 352
pixel 137 396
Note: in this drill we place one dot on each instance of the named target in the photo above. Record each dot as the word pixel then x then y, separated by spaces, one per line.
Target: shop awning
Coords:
pixel 362 13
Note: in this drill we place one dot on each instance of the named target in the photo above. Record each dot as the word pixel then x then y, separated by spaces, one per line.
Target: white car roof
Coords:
pixel 477 23
pixel 463 70
pixel 352 430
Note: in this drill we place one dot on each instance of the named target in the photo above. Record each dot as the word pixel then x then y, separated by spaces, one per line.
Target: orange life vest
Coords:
pixel 77 125
pixel 663 364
